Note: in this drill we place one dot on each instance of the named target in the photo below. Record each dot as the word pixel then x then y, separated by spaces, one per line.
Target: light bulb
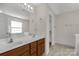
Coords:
pixel 28 6
pixel 31 8
pixel 25 3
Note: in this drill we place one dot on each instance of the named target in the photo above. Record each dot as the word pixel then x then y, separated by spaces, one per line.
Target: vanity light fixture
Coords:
pixel 25 4
pixel 28 7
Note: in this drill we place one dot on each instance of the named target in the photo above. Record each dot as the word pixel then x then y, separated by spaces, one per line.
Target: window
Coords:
pixel 15 27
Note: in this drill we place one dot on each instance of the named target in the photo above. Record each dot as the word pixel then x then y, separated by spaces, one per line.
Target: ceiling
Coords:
pixel 15 9
pixel 60 8
pixel 19 9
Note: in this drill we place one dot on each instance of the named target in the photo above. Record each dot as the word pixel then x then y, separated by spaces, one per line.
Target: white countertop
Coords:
pixel 21 41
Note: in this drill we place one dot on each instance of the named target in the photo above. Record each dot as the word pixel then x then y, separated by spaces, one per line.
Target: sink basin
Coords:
pixel 15 43
pixel 35 36
pixel 4 47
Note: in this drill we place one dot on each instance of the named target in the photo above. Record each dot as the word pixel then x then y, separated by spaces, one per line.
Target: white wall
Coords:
pixel 3 25
pixel 66 26
pixel 26 26
pixel 42 16
pixel 38 19
pixel 32 21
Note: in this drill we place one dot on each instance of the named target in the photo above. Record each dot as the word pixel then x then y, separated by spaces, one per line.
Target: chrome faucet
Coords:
pixel 11 40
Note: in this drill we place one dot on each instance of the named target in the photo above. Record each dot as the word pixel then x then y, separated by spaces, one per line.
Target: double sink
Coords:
pixel 4 46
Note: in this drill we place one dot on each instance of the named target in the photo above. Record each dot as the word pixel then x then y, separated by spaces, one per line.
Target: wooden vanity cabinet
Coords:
pixel 35 48
pixel 20 51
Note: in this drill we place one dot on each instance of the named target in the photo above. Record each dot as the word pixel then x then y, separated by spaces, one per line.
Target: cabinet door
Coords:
pixel 33 50
pixel 41 46
pixel 40 50
pixel 27 51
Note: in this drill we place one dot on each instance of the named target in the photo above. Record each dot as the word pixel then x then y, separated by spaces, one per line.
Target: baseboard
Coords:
pixel 64 45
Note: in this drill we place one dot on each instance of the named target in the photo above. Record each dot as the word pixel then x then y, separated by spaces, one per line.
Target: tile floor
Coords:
pixel 61 50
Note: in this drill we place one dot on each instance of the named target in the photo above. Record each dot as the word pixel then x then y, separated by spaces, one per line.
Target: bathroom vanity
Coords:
pixel 34 48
